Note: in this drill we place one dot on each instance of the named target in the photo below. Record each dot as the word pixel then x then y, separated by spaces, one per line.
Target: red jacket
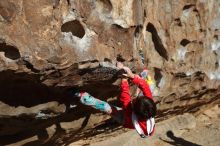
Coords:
pixel 125 98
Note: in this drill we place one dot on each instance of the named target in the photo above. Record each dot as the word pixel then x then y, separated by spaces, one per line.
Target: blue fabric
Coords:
pixel 89 100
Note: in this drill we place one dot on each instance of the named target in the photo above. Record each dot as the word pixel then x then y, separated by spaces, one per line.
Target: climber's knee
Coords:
pixel 87 99
pixel 103 106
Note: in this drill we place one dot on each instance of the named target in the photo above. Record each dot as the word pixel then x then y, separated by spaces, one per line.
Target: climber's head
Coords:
pixel 144 107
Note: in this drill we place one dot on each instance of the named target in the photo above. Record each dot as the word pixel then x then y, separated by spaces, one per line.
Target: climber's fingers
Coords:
pixel 126 75
pixel 119 65
pixel 128 72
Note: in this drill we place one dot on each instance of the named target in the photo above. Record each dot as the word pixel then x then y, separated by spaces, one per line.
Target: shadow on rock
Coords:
pixel 178 141
pixel 106 127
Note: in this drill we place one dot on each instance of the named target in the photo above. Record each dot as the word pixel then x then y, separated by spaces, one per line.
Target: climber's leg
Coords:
pixel 103 106
pixel 89 100
pixel 117 114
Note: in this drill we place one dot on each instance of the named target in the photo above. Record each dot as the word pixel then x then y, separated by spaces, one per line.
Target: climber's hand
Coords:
pixel 125 71
pixel 119 65
pixel 128 73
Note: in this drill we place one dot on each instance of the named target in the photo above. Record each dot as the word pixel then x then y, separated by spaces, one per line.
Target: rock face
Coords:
pixel 47 47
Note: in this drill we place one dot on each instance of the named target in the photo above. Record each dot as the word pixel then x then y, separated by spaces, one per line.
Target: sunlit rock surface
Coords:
pixel 50 46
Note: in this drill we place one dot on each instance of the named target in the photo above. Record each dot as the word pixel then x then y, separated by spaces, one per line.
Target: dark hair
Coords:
pixel 144 107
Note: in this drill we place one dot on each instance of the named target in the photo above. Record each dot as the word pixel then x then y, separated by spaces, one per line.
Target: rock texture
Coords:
pixel 50 46
pixel 184 130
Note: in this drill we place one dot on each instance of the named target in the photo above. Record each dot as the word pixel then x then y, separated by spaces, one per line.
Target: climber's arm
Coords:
pixel 143 85
pixel 125 97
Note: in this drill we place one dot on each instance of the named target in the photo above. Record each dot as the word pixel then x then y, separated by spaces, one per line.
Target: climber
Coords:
pixel 136 114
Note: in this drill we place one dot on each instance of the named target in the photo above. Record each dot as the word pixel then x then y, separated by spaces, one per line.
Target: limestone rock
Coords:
pixel 48 47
